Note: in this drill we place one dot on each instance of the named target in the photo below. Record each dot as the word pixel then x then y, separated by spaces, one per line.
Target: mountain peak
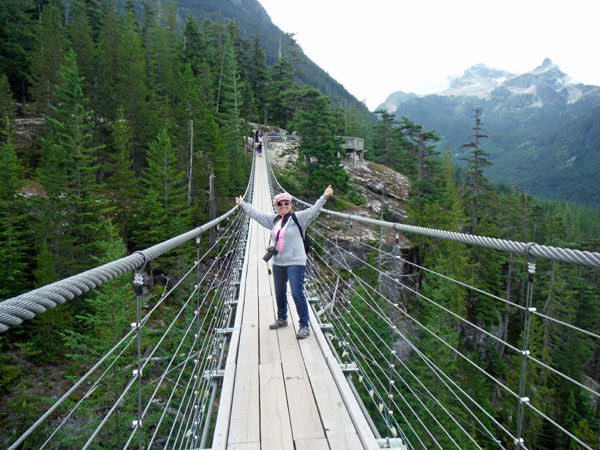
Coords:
pixel 547 62
pixel 478 80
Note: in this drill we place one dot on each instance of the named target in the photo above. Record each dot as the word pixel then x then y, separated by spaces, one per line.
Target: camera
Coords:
pixel 271 251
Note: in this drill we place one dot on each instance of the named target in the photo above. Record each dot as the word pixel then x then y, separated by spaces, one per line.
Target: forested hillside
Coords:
pixel 252 19
pixel 111 125
pixel 544 133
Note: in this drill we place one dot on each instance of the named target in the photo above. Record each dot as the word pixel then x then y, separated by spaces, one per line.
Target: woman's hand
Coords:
pixel 239 201
pixel 328 191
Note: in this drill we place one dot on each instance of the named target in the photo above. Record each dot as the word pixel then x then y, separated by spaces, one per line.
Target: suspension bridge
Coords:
pixel 218 378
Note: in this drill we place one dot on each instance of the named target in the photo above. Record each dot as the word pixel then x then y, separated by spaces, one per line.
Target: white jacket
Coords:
pixel 293 246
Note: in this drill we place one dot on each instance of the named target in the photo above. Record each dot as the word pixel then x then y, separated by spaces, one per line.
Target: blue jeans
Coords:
pixel 295 274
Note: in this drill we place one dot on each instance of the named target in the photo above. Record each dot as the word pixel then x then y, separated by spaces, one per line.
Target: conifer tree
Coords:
pixel 105 319
pixel 83 45
pixel 122 187
pixel 7 107
pixel 476 163
pixel 390 148
pixel 68 174
pixel 104 97
pixel 133 91
pixel 164 193
pixel 233 125
pixel 258 74
pixel 295 57
pixel 194 50
pixel 281 80
pixel 172 50
pixel 48 58
pixel 357 121
pixel 14 243
pixel 18 23
pixel 318 148
pixel 420 137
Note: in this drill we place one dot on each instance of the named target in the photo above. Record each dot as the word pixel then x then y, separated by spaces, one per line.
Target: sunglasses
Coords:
pixel 283 203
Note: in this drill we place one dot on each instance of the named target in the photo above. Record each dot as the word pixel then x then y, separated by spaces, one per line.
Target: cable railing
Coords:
pixel 367 313
pixel 167 394
pixel 366 321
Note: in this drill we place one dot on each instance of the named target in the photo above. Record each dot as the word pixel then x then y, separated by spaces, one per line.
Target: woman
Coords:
pixel 290 261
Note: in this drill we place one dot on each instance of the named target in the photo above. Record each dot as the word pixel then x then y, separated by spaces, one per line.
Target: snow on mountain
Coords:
pixel 478 81
pixel 544 85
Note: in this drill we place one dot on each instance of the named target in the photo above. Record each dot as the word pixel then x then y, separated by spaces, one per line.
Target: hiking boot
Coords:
pixel 303 333
pixel 279 323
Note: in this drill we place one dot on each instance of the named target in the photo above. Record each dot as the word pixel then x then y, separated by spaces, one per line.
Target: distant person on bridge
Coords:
pixel 290 261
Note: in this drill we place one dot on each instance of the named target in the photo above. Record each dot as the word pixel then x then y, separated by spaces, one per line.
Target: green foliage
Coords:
pixel 68 174
pixel 6 109
pixel 318 149
pixel 356 197
pixel 47 60
pixel 390 147
pixel 14 241
pixel 164 195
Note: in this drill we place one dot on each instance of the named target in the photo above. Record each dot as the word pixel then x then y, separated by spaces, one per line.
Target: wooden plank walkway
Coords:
pixel 278 392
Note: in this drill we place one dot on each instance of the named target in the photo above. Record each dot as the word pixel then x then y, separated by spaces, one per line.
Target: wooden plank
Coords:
pixel 244 446
pixel 276 431
pixel 340 431
pixel 361 425
pixel 264 280
pixel 312 444
pixel 304 416
pixel 244 426
pixel 251 297
pixel 343 441
pixel 268 339
pixel 331 389
pixel 329 401
pixel 248 347
pixel 227 387
pixel 225 402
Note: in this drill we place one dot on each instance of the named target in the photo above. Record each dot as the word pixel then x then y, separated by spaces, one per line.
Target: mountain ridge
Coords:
pixel 543 129
pixel 488 83
pixel 252 18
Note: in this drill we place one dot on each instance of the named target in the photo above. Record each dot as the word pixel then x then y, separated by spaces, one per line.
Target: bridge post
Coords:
pixel 519 442
pixel 138 282
pixel 212 206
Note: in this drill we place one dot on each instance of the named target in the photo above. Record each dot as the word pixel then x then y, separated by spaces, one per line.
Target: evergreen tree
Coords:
pixel 7 109
pixel 68 174
pixel 47 60
pixel 318 148
pixel 18 23
pixel 122 187
pixel 83 45
pixel 294 55
pixel 194 50
pixel 426 168
pixel 230 107
pixel 104 96
pixel 14 242
pixel 281 80
pixel 108 312
pixel 133 92
pixel 390 148
pixel 164 193
pixel 172 51
pixel 258 74
pixel 476 163
pixel 357 122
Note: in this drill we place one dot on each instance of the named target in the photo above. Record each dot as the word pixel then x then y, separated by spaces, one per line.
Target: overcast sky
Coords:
pixel 377 47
